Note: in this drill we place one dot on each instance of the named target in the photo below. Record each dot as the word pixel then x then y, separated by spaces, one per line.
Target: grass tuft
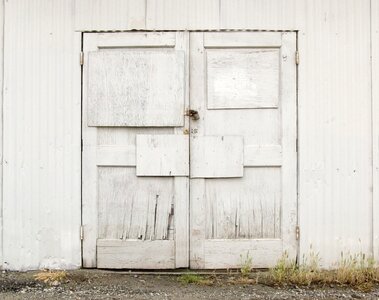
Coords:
pixel 190 278
pixel 51 277
pixel 357 271
pixel 246 265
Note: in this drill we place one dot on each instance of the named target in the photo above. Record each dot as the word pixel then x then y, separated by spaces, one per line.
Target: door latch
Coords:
pixel 194 114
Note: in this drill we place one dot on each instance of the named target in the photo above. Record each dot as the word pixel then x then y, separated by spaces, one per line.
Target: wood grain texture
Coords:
pixel 244 208
pixel 217 156
pixel 222 253
pixel 263 155
pixel 131 207
pixel 136 88
pixel 249 208
pixel 119 205
pixel 257 126
pixel 131 254
pixel 133 40
pixel 289 136
pixel 243 78
pixel 242 40
pixel 162 155
pixel 116 155
pixel 197 196
pixel 182 191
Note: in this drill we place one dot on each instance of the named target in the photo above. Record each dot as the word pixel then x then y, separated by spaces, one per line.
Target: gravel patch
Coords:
pixel 99 284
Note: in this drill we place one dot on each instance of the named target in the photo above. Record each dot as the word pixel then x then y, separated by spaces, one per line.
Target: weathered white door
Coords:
pixel 165 190
pixel 243 148
pixel 135 155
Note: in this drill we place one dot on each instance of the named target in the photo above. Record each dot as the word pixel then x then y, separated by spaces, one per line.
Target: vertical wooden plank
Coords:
pixel 89 169
pixel 289 166
pixel 375 121
pixel 197 186
pixel 181 184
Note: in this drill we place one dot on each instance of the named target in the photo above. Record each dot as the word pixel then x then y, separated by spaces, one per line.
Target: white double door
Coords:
pixel 189 149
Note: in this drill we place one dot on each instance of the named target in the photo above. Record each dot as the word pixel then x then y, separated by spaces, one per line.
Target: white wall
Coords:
pixel 41 186
pixel 337 127
pixel 375 119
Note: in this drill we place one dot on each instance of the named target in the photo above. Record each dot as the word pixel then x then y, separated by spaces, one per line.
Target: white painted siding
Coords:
pixel 41 136
pixel 375 120
pixel 41 205
pixel 1 126
pixel 91 15
pixel 335 153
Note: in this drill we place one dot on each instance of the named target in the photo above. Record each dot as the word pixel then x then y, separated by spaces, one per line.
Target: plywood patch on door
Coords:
pixel 217 156
pixel 162 155
pixel 243 78
pixel 136 88
pixel 131 207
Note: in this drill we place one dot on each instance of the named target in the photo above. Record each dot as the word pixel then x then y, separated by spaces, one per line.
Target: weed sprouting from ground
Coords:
pixel 357 270
pixel 190 278
pixel 287 271
pixel 246 265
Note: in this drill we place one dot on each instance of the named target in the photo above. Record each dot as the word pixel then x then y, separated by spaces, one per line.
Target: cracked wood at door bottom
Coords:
pixel 132 207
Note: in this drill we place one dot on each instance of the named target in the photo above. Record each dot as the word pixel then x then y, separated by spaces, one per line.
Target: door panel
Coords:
pixel 135 204
pixel 242 78
pixel 243 85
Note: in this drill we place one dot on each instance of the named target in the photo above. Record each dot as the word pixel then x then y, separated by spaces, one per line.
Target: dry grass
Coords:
pixel 246 265
pixel 357 271
pixel 51 277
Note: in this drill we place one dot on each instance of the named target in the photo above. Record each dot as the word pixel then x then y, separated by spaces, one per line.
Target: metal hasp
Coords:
pixel 194 114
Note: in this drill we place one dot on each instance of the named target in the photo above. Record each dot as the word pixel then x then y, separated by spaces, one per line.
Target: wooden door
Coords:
pixel 243 148
pixel 135 150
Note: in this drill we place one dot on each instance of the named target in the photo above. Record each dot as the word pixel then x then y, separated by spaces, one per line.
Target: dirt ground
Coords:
pixel 98 284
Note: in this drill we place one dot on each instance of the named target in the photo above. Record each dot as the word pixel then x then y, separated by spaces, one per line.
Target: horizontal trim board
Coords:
pixel 264 252
pixel 135 254
pixel 116 156
pixel 254 156
pixel 267 155
pixel 136 39
pixel 241 39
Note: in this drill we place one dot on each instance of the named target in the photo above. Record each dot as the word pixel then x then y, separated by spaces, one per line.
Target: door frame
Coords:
pixel 296 32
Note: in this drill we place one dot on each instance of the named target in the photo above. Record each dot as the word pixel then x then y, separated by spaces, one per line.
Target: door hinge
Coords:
pixel 81 58
pixel 297 232
pixel 81 145
pixel 297 57
pixel 81 233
